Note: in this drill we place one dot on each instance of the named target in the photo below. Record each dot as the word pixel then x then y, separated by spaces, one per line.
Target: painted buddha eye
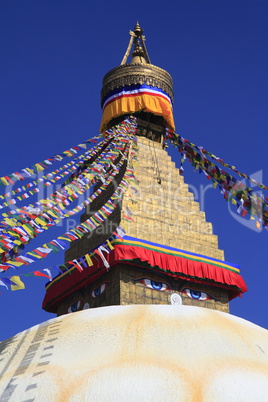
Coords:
pixel 74 307
pixel 99 290
pixel 197 294
pixel 154 284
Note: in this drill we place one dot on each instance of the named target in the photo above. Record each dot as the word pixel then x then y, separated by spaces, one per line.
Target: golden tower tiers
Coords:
pixel 169 254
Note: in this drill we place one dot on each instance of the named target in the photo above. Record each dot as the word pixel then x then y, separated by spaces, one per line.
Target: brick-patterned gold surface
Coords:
pixel 126 284
pixel 165 211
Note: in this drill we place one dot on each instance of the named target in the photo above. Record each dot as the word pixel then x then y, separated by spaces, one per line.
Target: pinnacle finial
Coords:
pixel 137 30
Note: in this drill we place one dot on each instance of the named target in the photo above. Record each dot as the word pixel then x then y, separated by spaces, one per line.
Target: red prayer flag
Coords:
pixel 38 273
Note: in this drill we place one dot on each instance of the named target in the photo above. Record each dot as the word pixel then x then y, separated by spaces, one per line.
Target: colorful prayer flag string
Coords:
pixel 49 179
pixel 174 137
pixel 79 231
pixel 44 219
pixel 40 166
pixel 232 189
pixel 16 283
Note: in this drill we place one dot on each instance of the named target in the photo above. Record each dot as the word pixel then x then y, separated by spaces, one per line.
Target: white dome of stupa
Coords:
pixel 137 353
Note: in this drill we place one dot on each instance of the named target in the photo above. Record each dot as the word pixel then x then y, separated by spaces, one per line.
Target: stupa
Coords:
pixel 150 312
pixel 169 252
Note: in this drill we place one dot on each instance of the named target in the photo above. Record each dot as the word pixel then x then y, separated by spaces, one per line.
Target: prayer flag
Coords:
pixel 18 284
pixel 258 225
pixel 77 265
pixel 38 273
pixel 82 262
pixel 42 251
pixel 34 255
pixel 111 247
pixel 15 263
pixel 7 281
pixel 3 284
pixel 89 260
pixel 105 262
pixel 49 273
pixel 26 259
pixel 52 247
pixel 64 238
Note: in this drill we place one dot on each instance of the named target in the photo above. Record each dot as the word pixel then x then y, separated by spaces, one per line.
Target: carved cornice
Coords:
pixel 128 74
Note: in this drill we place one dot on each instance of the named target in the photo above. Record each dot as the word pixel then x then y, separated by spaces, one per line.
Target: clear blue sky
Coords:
pixel 54 55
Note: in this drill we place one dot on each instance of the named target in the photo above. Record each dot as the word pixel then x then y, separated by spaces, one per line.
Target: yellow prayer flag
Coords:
pixel 89 260
pixel 102 214
pixel 40 222
pixel 52 213
pixel 16 263
pixel 34 255
pixel 17 242
pixel 30 171
pixel 30 232
pixel 89 176
pixel 69 191
pixel 4 181
pixel 64 238
pixel 18 282
pixel 111 247
pixel 10 222
pixel 50 201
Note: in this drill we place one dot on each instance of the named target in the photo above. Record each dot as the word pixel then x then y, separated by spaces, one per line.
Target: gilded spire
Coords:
pixel 139 54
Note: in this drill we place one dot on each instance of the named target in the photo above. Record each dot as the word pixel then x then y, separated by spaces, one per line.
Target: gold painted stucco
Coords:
pixel 164 211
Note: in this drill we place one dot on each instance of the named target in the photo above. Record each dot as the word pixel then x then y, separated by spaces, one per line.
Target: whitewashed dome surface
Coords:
pixel 137 353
